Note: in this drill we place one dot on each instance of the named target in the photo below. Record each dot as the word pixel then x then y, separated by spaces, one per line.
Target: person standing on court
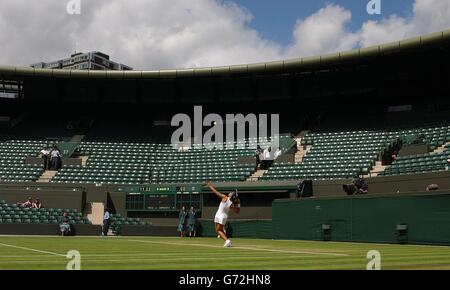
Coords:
pixel 182 221
pixel 192 222
pixel 106 222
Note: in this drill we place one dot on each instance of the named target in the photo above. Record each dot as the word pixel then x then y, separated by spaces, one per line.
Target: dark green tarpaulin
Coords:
pixel 365 219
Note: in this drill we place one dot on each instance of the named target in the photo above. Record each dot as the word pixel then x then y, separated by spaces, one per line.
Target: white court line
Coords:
pixel 245 248
pixel 163 259
pixel 33 250
pixel 181 255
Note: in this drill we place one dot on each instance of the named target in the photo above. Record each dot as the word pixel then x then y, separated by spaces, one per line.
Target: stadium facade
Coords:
pixel 343 115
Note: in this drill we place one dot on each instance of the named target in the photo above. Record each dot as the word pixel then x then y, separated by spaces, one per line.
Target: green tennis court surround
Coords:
pixel 261 229
pixel 365 219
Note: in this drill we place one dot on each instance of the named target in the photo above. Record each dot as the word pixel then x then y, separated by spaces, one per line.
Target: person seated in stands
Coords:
pixel 37 203
pixel 55 158
pixel 350 189
pixel 432 187
pixel 64 226
pixel 358 186
pixel 28 203
pixel 394 156
pixel 361 186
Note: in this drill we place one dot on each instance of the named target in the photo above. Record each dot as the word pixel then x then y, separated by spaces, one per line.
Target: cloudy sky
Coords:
pixel 164 34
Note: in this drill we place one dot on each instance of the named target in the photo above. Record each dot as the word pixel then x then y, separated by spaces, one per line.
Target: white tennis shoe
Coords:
pixel 227 244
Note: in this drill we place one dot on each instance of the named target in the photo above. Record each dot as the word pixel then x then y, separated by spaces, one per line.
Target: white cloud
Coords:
pixel 142 33
pixel 322 32
pixel 428 16
pixel 325 31
pixel 390 29
pixel 159 34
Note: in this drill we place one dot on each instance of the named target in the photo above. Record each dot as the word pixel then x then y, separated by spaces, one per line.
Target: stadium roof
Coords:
pixel 256 68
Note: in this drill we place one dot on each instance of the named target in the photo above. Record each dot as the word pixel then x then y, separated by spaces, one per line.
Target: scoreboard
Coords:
pixel 162 198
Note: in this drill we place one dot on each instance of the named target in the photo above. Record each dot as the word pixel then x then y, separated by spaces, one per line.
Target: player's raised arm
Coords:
pixel 214 190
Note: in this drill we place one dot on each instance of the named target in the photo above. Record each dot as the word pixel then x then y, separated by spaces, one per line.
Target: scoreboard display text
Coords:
pixel 163 198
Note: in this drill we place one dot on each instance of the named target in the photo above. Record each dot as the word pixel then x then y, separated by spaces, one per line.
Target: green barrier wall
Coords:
pixel 261 229
pixel 365 219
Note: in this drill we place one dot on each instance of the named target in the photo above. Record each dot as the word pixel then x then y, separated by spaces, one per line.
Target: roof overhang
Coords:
pixel 334 59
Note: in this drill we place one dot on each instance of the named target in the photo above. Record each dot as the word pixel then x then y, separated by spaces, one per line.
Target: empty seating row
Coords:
pixel 14 213
pixel 12 160
pixel 136 163
pixel 419 164
pixel 357 152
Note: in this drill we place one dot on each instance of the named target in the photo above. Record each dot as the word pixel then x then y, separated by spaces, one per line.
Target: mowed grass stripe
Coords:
pixel 231 263
pixel 255 264
pixel 31 249
pixel 168 253
pixel 242 248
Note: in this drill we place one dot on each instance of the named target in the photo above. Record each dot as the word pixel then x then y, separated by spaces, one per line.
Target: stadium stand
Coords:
pixel 12 156
pixel 422 163
pixel 123 119
pixel 13 213
pixel 331 155
pixel 117 221
pixel 348 154
pixel 137 163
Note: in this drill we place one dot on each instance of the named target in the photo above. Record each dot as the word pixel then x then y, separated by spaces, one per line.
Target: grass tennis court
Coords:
pixel 208 253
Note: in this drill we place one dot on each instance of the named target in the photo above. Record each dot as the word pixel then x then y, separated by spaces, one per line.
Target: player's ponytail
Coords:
pixel 234 196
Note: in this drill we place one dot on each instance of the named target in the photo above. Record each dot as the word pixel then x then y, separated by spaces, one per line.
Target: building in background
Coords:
pixel 94 60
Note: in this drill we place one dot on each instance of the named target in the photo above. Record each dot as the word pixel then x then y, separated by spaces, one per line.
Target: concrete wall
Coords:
pixel 75 196
pixel 47 229
pixel 414 149
pixel 50 197
pixel 117 202
pixel 64 161
pixel 290 158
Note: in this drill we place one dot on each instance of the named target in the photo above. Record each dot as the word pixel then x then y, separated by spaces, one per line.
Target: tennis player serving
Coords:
pixel 230 201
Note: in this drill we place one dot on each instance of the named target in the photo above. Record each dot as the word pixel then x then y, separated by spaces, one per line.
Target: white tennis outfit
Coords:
pixel 222 213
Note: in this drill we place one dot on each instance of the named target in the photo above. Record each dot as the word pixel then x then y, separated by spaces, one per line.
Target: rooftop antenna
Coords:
pixel 75 51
